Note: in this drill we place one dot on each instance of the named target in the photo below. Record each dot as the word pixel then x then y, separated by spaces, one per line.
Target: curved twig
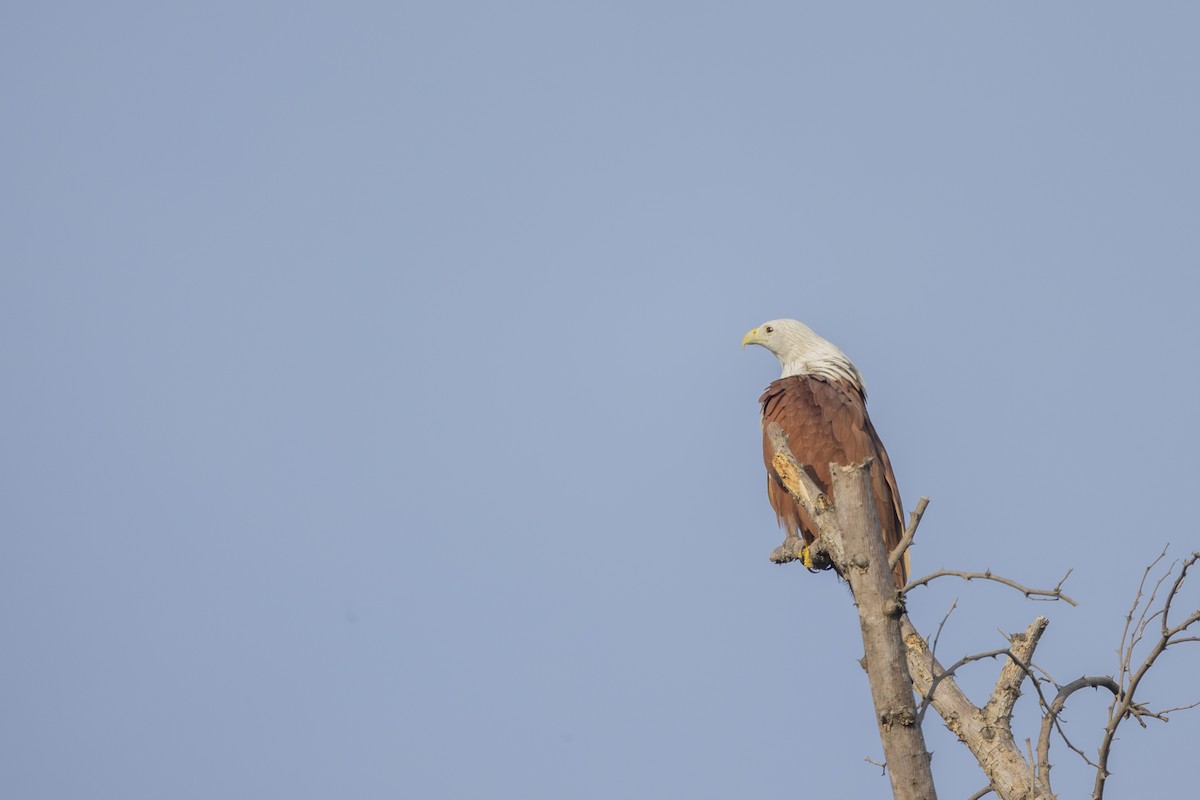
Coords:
pixel 1050 720
pixel 1042 595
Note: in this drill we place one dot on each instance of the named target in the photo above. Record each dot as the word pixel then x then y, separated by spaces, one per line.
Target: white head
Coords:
pixel 802 352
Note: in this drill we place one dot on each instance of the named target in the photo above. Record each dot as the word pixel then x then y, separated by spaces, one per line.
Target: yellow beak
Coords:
pixel 750 338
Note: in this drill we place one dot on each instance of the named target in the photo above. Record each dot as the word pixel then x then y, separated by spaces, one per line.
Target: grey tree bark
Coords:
pixel 851 537
pixel 880 608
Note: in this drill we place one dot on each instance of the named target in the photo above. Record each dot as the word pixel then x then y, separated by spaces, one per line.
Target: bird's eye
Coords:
pixel 769 329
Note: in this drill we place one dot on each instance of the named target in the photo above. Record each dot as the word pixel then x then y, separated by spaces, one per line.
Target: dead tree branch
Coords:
pixel 852 537
pixel 914 520
pixel 849 540
pixel 1033 594
pixel 1051 719
pixel 1124 704
pixel 987 731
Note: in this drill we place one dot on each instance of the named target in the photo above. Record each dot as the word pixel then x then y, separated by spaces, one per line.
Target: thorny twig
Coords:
pixel 1133 634
pixel 1042 595
pixel 1051 719
pixel 1123 705
pixel 937 636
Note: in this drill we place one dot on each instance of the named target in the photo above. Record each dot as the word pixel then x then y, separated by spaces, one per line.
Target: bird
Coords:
pixel 820 403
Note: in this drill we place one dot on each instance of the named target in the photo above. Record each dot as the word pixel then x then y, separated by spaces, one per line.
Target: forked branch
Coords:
pixel 986 730
pixel 1124 704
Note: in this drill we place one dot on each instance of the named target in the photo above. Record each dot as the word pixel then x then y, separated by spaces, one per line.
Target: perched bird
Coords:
pixel 820 403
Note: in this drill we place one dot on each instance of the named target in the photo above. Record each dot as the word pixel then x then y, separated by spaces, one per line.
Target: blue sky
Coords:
pixel 376 423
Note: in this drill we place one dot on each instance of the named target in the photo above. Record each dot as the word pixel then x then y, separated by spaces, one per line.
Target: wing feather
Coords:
pixel 827 422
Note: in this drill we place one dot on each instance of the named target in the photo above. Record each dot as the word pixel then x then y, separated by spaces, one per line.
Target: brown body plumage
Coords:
pixel 826 422
pixel 821 405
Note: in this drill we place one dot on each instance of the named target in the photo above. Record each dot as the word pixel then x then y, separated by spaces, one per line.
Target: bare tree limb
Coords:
pixel 991 743
pixel 1188 707
pixel 1033 594
pixel 949 672
pixel 853 538
pixel 914 520
pixel 1124 705
pixel 1045 675
pixel 1050 719
pixel 805 491
pixel 987 730
pixel 880 606
pixel 1008 685
pixel 795 478
pixel 937 636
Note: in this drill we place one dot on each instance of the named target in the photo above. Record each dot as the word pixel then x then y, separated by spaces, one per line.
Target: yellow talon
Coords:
pixel 806 557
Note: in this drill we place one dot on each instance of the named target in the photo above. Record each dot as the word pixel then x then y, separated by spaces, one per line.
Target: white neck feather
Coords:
pixel 806 353
pixel 834 369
